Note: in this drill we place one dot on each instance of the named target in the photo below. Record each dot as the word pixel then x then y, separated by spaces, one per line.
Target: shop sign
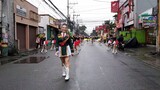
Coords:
pixel 149 21
pixel 21 11
pixel 114 6
pixel 52 22
pixel 145 14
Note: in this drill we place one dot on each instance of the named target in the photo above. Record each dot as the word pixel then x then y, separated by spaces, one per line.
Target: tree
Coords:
pixel 109 25
pixel 82 28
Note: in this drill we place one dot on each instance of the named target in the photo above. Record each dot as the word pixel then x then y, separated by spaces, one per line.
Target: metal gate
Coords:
pixel 21 35
pixel 32 37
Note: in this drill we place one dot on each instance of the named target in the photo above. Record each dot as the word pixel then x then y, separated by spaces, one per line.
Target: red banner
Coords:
pixel 114 6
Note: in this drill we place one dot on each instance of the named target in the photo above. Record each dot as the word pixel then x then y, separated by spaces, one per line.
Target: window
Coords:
pixel 34 16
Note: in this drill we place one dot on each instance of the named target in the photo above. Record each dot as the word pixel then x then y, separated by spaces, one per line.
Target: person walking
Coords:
pixel 52 43
pixel 121 42
pixel 64 48
pixel 44 43
pixel 37 41
pixel 115 45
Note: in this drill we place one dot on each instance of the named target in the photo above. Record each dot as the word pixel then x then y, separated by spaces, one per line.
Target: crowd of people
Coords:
pixel 115 43
pixel 44 45
pixel 67 45
pixel 112 42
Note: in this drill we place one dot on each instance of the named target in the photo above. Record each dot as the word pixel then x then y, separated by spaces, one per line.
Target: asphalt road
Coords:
pixel 94 68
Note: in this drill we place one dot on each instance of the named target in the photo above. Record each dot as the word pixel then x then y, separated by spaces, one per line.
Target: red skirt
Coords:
pixel 76 43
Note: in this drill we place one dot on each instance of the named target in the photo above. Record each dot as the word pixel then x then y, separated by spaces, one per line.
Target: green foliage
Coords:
pixel 110 25
pixel 82 28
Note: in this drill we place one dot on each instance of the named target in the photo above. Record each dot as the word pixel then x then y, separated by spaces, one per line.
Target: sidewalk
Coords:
pixel 146 54
pixel 7 59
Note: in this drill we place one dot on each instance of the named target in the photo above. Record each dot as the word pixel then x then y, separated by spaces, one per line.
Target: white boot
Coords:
pixel 67 74
pixel 113 51
pixel 116 51
pixel 45 51
pixel 63 71
pixel 42 50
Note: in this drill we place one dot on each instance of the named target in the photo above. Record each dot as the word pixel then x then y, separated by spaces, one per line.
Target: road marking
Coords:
pixel 101 70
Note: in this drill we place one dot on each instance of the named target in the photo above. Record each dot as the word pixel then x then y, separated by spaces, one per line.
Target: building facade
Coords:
pixel 148 22
pixel 26 24
pixel 128 19
pixel 129 11
pixel 48 25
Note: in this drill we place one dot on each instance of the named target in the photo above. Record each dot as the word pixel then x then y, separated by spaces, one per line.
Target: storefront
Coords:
pixel 148 23
pixel 48 25
pixel 32 36
pixel 21 36
pixel 26 24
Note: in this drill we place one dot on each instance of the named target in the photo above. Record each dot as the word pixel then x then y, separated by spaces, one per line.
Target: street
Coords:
pixel 94 68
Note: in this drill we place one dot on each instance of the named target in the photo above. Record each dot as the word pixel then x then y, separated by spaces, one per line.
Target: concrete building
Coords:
pixel 147 22
pixel 48 25
pixel 141 6
pixel 26 24
pixel 129 11
pixel 128 20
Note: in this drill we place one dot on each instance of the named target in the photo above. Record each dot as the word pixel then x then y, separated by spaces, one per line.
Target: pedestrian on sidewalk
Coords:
pixel 115 46
pixel 109 44
pixel 37 41
pixel 44 43
pixel 53 41
pixel 64 48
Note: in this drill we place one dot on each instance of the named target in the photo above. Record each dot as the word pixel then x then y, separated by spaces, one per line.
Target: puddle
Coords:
pixel 31 60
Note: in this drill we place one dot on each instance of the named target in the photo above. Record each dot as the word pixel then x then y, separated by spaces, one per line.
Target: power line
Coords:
pixel 46 8
pixel 53 9
pixel 40 3
pixel 92 9
pixel 57 9
pixel 68 20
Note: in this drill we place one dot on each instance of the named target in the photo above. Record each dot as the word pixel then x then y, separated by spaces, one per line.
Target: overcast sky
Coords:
pixel 92 12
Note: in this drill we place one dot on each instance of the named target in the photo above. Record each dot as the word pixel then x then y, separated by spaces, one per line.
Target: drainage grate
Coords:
pixel 30 60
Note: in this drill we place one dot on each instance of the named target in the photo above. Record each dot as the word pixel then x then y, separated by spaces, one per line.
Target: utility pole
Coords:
pixel 67 11
pixel 75 23
pixel 158 32
pixel 68 15
pixel 74 16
